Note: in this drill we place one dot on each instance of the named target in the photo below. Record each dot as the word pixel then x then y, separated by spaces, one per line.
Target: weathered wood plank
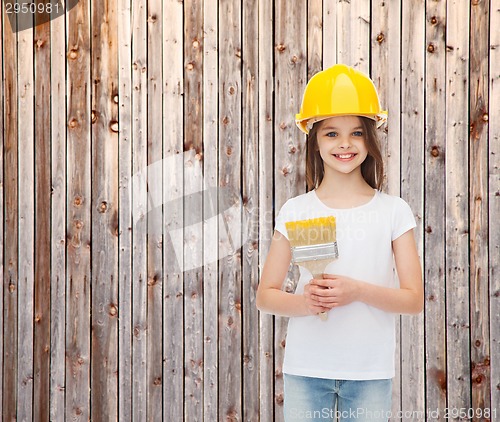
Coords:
pixel 329 33
pixel 266 187
pixel 79 214
pixel 353 43
pixel 11 220
pixel 193 204
pixel 389 37
pixel 229 203
pixel 2 110
pixel 104 364
pixel 125 211
pixel 289 172
pixel 435 200
pixel 155 215
pixel 314 37
pixel 494 206
pixel 210 217
pixel 173 217
pixel 250 202
pixel 41 352
pixel 478 206
pixel 26 186
pixel 58 125
pixel 385 57
pixel 457 198
pixel 139 210
pixel 412 125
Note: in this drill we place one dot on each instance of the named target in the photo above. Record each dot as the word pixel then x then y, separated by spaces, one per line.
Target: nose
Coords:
pixel 344 142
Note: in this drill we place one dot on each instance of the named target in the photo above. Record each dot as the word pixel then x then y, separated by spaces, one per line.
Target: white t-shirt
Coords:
pixel 357 341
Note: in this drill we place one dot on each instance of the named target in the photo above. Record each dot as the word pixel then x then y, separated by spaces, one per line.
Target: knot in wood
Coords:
pixel 196 44
pixel 190 66
pixel 231 416
pixel 431 48
pixel 78 201
pixel 73 123
pixel 279 399
pixel 434 20
pixel 485 117
pixel 435 151
pixel 113 126
pixel 113 310
pixel 39 43
pixel 380 38
pixel 103 207
pixel 93 116
pixel 73 54
pixel 231 90
pixel 78 224
pixel 294 59
pixel 281 48
pixel 115 99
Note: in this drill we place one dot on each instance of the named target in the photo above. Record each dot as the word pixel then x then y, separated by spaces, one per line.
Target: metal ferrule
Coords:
pixel 315 252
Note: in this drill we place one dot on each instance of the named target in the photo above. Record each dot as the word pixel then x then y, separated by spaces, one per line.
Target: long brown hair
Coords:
pixel 372 169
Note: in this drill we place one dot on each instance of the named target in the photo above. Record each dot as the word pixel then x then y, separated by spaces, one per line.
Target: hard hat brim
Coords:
pixel 306 124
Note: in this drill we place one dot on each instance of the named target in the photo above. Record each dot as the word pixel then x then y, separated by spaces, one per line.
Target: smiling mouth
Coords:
pixel 344 156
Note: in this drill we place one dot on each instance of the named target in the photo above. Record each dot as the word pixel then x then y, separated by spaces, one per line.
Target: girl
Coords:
pixel 342 367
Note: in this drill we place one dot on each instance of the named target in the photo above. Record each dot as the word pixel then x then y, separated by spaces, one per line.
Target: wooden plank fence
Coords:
pixel 147 146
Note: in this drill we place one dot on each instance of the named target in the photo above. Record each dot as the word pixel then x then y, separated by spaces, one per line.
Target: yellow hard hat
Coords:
pixel 337 91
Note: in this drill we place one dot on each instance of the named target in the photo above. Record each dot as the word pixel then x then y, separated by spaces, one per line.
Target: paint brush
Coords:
pixel 314 245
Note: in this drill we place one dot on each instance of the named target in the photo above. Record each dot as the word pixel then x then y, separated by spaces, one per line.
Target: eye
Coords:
pixel 358 133
pixel 332 134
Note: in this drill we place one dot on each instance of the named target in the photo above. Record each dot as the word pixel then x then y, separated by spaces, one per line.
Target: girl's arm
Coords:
pixel 270 298
pixel 336 290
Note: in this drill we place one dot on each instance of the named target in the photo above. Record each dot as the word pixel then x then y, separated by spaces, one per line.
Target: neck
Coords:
pixel 342 184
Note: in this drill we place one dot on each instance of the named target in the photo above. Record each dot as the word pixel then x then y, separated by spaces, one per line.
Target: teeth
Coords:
pixel 345 155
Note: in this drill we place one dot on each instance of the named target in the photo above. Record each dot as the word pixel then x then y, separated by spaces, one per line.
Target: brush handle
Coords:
pixel 317 269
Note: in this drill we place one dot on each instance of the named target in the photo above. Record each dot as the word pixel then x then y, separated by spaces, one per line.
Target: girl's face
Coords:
pixel 341 144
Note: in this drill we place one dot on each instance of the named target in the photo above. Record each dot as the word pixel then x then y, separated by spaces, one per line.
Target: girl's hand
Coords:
pixel 313 305
pixel 335 290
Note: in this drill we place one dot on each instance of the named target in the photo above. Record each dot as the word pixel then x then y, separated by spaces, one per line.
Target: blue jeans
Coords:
pixel 319 399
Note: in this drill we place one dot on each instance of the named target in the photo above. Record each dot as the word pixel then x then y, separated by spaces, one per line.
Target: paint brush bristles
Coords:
pixel 315 231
